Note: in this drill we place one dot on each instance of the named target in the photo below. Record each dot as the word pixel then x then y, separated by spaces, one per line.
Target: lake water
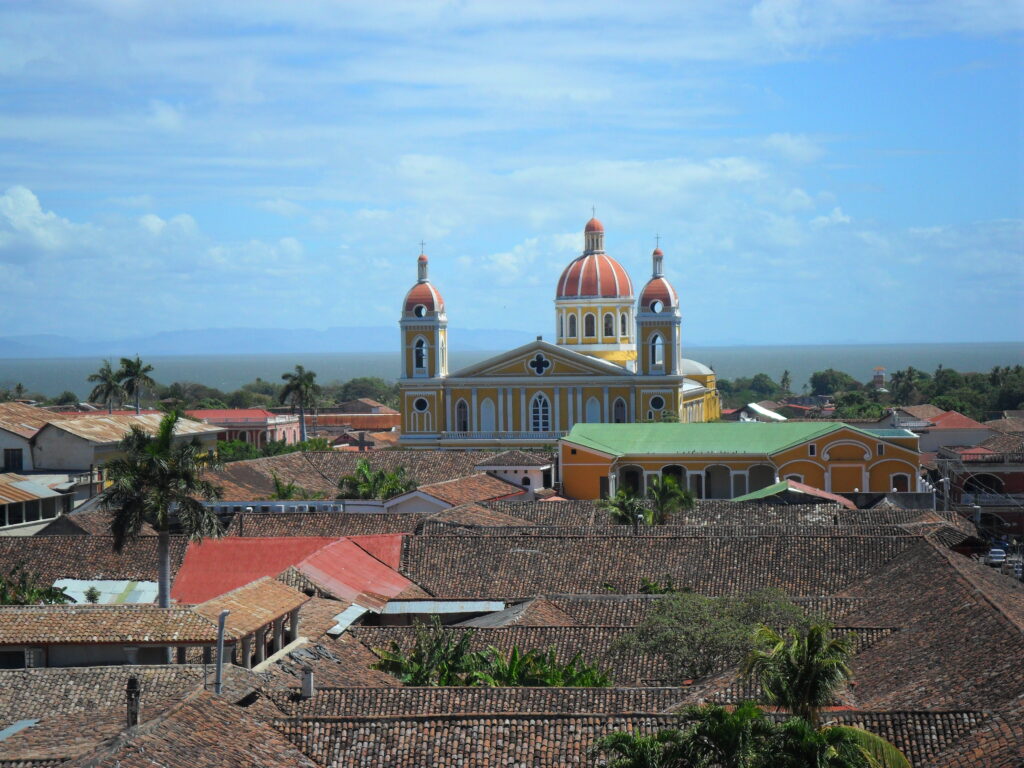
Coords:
pixel 228 372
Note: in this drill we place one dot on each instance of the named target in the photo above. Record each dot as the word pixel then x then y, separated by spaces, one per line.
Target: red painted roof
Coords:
pixel 386 547
pixel 594 274
pixel 425 294
pixel 810 490
pixel 955 420
pixel 216 566
pixel 658 289
pixel 230 414
pixel 594 226
pixel 350 573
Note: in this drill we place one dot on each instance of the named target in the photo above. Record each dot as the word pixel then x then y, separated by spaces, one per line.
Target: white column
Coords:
pixel 500 408
pixel 525 418
pixel 568 406
pixel 579 402
pixel 511 427
pixel 474 422
pixel 447 413
pixel 632 405
pixel 606 415
pixel 558 396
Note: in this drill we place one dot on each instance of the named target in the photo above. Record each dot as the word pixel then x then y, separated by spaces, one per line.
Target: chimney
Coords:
pixel 308 686
pixel 134 695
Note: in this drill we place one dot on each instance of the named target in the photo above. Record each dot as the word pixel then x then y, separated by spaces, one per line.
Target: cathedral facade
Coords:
pixel 616 359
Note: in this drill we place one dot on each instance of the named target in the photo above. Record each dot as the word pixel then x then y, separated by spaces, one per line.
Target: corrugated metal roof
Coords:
pixel 350 573
pixel 112 592
pixel 24 420
pixel 15 488
pixel 112 429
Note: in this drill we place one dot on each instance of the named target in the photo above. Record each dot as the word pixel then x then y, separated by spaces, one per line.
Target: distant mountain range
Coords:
pixel 246 341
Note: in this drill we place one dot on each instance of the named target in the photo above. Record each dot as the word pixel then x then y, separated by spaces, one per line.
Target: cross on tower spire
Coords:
pixel 422 246
pixel 657 241
pixel 593 212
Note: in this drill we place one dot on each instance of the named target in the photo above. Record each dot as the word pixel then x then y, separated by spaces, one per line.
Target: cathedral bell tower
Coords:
pixel 424 327
pixel 658 323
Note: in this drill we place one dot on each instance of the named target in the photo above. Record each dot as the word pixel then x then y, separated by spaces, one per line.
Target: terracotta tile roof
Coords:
pixel 215 566
pixel 357 421
pixel 470 516
pixel 79 707
pixel 88 519
pixel 517 459
pixel 924 412
pixel 26 420
pixel 1007 424
pixel 998 741
pixel 92 624
pixel 253 606
pixel 344 663
pixel 214 415
pixel 321 470
pixel 962 639
pixel 535 612
pixel 204 731
pixel 88 557
pixel 955 420
pixel 330 524
pixel 318 615
pixel 391 702
pixel 104 429
pixel 594 643
pixel 502 567
pixel 1006 443
pixel 472 488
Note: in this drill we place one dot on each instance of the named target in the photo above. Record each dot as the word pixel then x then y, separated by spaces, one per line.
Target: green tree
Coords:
pixel 786 382
pixel 370 387
pixel 802 670
pixel 157 478
pixel 830 381
pixel 763 385
pixel 134 378
pixel 631 750
pixel 22 587
pixel 797 744
pixel 67 397
pixel 666 499
pixel 368 483
pixel 108 386
pixel 697 635
pixel 300 391
pixel 92 595
pixel 740 738
pixel 857 405
pixel 626 508
pixel 291 490
pixel 437 657
pixel 536 668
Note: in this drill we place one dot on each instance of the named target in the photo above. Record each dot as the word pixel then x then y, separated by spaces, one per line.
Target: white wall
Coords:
pixel 11 440
pixel 935 438
pixel 56 449
pixel 414 502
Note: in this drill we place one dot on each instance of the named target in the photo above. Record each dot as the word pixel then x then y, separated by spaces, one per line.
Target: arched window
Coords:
pixel 461 416
pixel 589 325
pixel 572 326
pixel 540 413
pixel 593 411
pixel 619 411
pixel 609 325
pixel 487 415
pixel 420 354
pixel 623 325
pixel 657 353
pixel 561 326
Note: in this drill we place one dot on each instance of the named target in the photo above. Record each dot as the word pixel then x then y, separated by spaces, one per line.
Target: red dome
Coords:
pixel 425 294
pixel 594 226
pixel 658 289
pixel 423 257
pixel 594 274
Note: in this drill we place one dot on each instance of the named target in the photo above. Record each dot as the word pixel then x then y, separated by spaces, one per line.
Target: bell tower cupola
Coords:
pixel 658 323
pixel 424 327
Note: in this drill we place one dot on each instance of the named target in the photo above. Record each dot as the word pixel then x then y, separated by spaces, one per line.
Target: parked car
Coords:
pixel 995 556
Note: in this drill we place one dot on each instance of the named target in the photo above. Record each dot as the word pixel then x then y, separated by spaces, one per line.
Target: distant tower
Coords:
pixel 878 379
pixel 658 323
pixel 424 328
pixel 594 303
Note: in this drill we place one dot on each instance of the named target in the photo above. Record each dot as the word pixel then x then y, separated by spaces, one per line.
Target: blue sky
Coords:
pixel 819 172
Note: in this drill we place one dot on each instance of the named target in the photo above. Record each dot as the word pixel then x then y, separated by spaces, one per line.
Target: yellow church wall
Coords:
pixel 880 474
pixel 811 472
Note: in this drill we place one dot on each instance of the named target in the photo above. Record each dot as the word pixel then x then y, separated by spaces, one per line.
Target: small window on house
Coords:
pixel 589 325
pixel 880 449
pixel 623 325
pixel 812 450
pixel 572 451
pixel 609 325
pixel 572 326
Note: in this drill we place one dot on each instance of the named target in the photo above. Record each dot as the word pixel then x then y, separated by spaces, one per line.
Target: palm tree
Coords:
pixel 155 478
pixel 801 671
pixel 20 587
pixel 666 499
pixel 629 750
pixel 736 739
pixel 300 390
pixel 798 745
pixel 108 386
pixel 134 377
pixel 368 483
pixel 626 508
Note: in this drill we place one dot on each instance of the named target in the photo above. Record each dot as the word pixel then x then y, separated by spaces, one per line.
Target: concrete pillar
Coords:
pixel 278 634
pixel 261 644
pixel 247 652
pixel 293 626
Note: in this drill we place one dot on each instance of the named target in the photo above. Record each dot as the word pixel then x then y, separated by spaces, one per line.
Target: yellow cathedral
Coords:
pixel 617 359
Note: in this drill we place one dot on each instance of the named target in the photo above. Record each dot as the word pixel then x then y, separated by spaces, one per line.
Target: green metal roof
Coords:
pixel 738 438
pixel 764 493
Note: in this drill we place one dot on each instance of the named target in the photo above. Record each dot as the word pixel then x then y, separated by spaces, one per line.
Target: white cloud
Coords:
pixel 836 216
pixel 798 148
pixel 164 117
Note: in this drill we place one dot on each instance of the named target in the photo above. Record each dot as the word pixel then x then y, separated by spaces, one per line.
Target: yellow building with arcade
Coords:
pixel 617 359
